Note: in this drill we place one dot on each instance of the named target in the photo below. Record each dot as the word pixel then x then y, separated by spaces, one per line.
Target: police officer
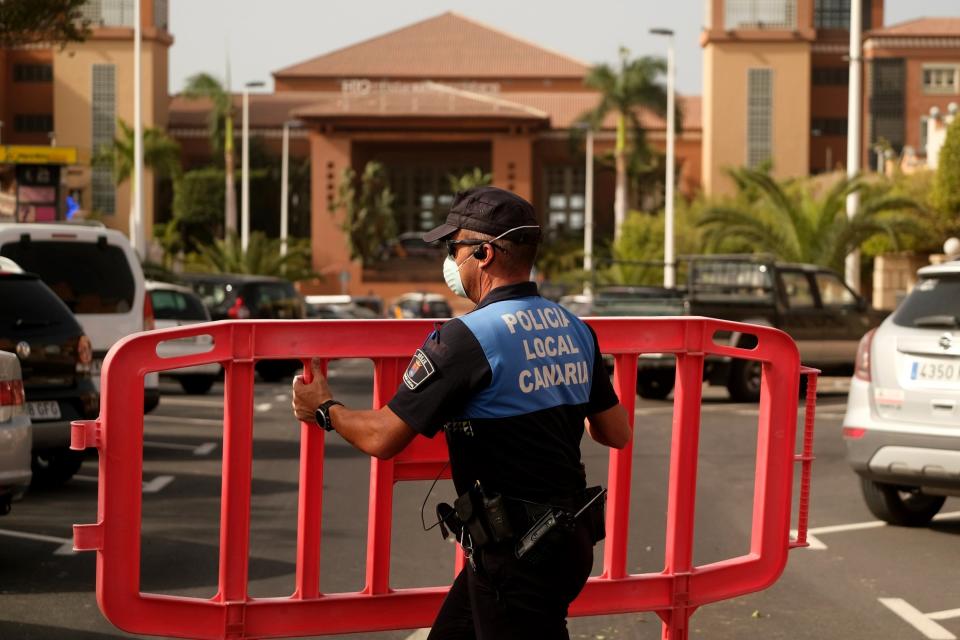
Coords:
pixel 512 384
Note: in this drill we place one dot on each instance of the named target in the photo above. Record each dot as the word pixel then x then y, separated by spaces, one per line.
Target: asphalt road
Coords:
pixel 846 588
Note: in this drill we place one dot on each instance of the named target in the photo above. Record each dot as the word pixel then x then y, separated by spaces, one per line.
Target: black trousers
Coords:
pixel 505 598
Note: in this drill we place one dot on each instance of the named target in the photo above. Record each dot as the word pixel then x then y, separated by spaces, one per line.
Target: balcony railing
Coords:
pixel 109 13
pixel 760 14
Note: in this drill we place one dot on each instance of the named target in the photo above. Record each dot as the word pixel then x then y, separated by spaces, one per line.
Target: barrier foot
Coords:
pixel 676 623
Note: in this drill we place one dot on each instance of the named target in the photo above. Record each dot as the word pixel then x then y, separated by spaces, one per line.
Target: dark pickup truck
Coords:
pixel 810 303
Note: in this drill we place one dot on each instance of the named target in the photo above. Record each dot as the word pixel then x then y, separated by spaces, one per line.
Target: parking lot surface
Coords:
pixel 860 579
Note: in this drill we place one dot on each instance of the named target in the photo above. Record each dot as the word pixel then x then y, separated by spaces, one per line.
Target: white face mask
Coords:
pixel 451 270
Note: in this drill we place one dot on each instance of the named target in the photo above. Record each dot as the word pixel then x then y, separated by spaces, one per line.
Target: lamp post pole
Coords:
pixel 284 188
pixel 245 168
pixel 669 251
pixel 137 236
pixel 852 262
pixel 588 218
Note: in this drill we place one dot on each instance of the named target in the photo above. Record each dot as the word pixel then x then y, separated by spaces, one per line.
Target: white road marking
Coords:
pixel 918 620
pixel 944 615
pixel 157 484
pixel 214 422
pixel 263 406
pixel 818 545
pixel 205 449
pixel 153 486
pixel 281 397
pixel 419 634
pixel 201 450
pixel 65 548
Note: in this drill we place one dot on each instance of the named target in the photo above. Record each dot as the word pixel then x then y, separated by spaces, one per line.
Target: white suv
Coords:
pixel 96 273
pixel 902 426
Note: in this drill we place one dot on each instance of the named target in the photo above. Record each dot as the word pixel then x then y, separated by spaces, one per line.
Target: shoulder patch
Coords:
pixel 418 371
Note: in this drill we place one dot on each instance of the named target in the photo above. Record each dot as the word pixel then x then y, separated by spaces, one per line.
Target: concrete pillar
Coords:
pixel 513 164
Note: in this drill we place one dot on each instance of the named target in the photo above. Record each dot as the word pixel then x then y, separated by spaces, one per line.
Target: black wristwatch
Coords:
pixel 322 414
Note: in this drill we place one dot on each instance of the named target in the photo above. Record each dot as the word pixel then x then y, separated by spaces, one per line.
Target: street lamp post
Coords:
pixel 284 179
pixel 669 257
pixel 136 230
pixel 245 168
pixel 588 217
pixel 852 263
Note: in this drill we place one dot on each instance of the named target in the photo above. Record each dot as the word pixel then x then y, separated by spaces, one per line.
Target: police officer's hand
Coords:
pixel 307 396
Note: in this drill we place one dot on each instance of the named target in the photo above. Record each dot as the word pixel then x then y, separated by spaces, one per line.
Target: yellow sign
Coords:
pixel 22 154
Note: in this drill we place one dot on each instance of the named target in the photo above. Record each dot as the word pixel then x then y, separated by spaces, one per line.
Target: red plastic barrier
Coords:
pixel 674 593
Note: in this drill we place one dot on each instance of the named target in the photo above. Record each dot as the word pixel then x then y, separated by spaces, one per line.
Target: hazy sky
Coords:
pixel 265 36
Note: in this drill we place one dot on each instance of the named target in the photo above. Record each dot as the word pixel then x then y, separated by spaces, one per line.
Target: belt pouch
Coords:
pixel 470 516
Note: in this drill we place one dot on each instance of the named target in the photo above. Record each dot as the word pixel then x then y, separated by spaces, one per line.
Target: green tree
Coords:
pixel 368 205
pixel 623 92
pixel 197 214
pixel 160 153
pixel 262 257
pixel 946 185
pixel 25 22
pixel 469 180
pixel 797 223
pixel 220 127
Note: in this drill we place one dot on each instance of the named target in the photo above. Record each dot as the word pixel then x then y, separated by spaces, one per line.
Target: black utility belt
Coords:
pixel 479 518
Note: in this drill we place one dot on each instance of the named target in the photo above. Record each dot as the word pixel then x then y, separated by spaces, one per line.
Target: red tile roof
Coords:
pixel 446 46
pixel 561 108
pixel 930 27
pixel 426 99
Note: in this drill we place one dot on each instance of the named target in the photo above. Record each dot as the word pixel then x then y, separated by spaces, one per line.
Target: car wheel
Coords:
pixel 655 385
pixel 743 382
pixel 54 467
pixel 196 385
pixel 904 506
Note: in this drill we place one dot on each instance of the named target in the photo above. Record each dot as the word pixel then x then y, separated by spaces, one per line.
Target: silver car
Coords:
pixel 15 433
pixel 902 426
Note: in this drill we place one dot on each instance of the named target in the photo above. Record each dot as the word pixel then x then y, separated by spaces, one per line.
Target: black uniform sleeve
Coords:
pixel 602 395
pixel 443 375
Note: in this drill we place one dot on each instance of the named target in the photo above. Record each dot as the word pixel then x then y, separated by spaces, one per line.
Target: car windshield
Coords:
pixel 91 277
pixel 174 305
pixel 934 302
pixel 214 294
pixel 28 305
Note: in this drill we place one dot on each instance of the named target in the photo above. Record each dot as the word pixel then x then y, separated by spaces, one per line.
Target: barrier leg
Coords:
pixel 619 474
pixel 310 505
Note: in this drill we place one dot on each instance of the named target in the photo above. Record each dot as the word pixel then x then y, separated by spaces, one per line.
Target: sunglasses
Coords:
pixel 453 245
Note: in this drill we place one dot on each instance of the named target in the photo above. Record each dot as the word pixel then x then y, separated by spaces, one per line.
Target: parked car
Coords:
pixel 420 305
pixel 15 436
pixel 902 425
pixel 97 274
pixel 176 306
pixel 811 303
pixel 55 359
pixel 231 296
pixel 342 307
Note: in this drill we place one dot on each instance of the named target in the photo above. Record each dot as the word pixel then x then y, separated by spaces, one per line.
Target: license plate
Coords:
pixel 932 371
pixel 44 410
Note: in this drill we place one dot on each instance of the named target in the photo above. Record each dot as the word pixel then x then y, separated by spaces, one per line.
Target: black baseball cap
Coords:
pixel 489 210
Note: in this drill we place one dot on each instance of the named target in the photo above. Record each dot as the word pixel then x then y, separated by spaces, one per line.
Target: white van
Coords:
pixel 96 273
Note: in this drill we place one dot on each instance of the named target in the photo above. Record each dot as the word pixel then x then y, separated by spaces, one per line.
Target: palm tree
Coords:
pixel 262 257
pixel 205 86
pixel 796 224
pixel 160 152
pixel 623 92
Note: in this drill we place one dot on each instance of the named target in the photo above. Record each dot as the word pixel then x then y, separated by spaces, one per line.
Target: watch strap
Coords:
pixel 322 414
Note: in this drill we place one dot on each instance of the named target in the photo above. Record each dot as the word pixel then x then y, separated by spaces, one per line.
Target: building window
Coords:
pixel 422 195
pixel 109 13
pixel 565 188
pixel 940 78
pixel 759 116
pixel 830 76
pixel 761 14
pixel 33 123
pixel 104 112
pixel 161 14
pixel 835 14
pixel 828 127
pixel 33 73
pixel 887 101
